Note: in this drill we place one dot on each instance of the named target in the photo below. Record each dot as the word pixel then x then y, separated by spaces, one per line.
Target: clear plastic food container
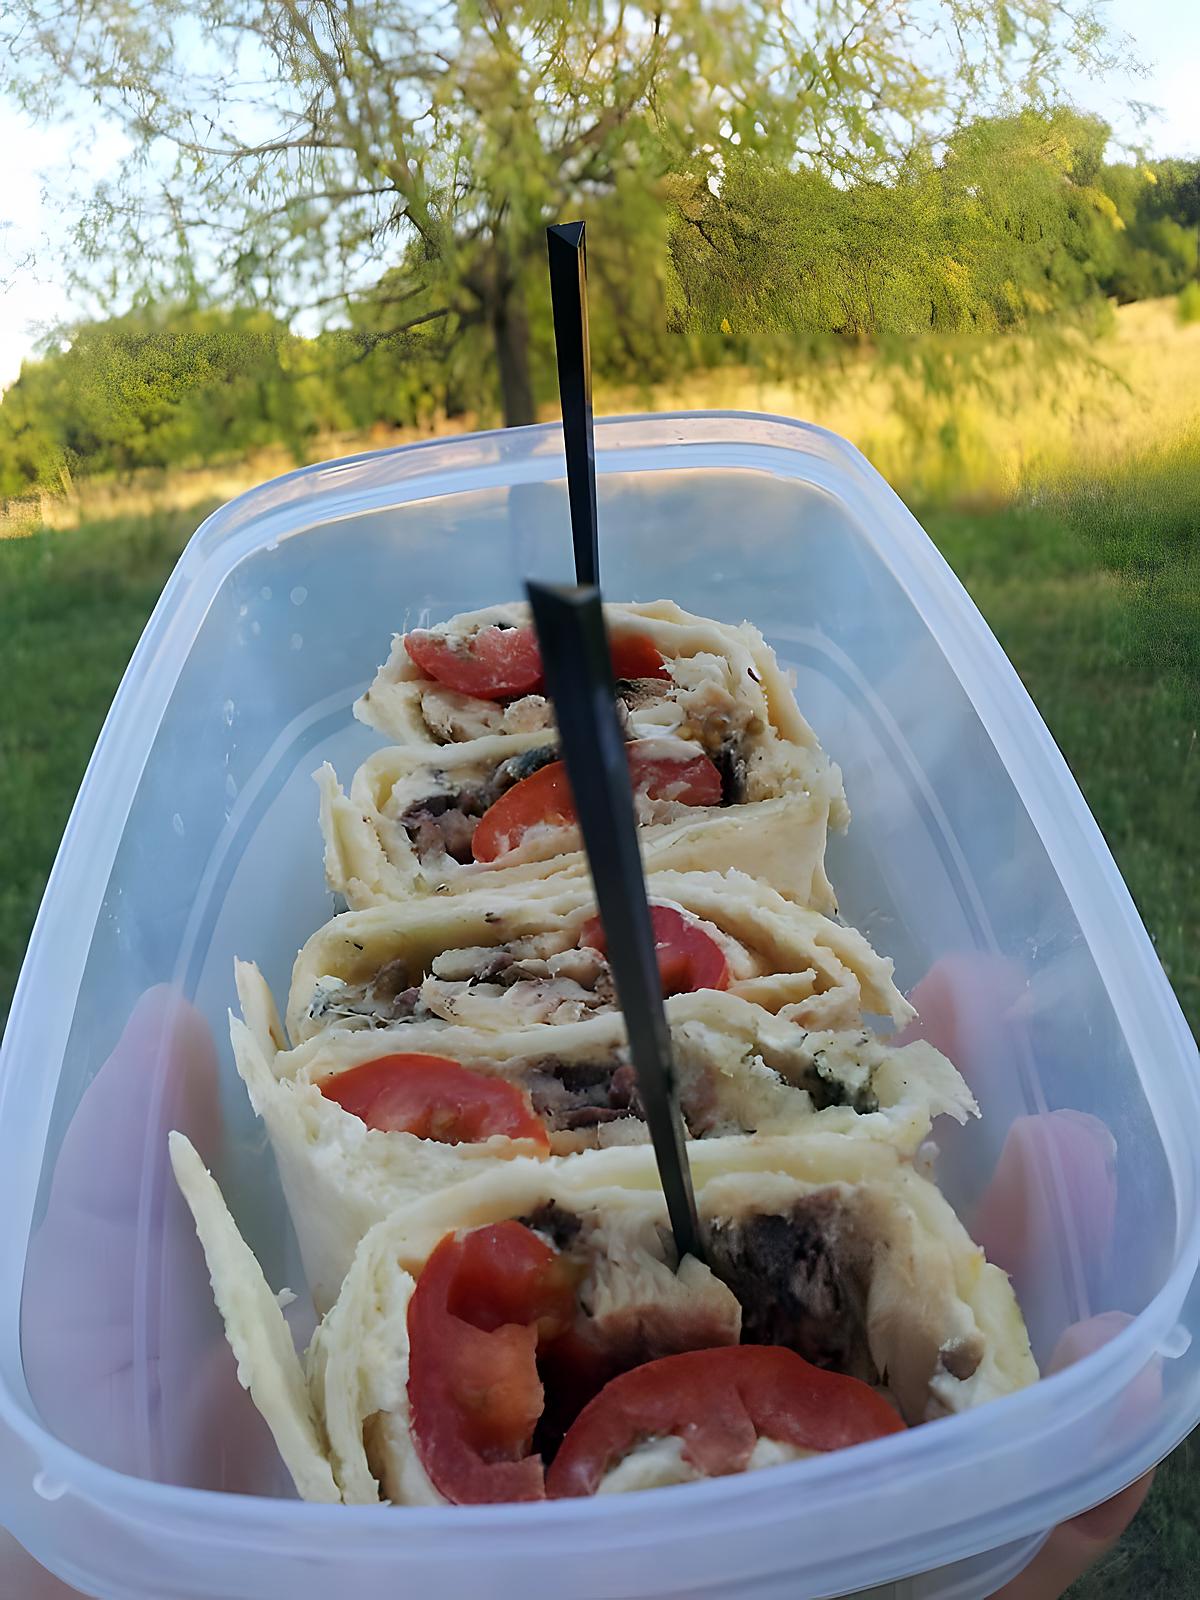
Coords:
pixel 132 1464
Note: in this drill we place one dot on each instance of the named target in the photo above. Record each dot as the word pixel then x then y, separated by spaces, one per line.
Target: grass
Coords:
pixel 72 606
pixel 1091 582
pixel 1096 598
pixel 1159 1557
pixel 1026 423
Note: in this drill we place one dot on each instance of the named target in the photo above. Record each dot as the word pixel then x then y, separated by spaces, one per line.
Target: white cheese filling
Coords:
pixel 657 1463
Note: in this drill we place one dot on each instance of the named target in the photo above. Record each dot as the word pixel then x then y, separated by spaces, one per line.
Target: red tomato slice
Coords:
pixel 500 663
pixel 633 656
pixel 482 1305
pixel 544 798
pixel 493 664
pixel 718 1402
pixel 687 958
pixel 692 780
pixel 435 1098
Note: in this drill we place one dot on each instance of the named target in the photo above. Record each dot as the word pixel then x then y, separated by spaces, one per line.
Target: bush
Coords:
pixel 1187 307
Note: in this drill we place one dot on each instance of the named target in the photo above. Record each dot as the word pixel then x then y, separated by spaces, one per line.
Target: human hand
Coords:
pixel 123 1352
pixel 1055 1163
pixel 1075 1546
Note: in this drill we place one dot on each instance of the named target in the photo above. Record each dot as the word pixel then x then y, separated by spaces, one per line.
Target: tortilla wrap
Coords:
pixel 405 826
pixel 370 858
pixel 364 967
pixel 915 1305
pixel 742 1073
pixel 749 675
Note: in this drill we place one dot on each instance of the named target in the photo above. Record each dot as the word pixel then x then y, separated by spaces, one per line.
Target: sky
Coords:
pixel 34 240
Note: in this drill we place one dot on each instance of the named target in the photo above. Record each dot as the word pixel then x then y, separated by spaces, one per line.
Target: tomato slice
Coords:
pixel 493 664
pixel 718 1402
pixel 687 958
pixel 545 799
pixel 692 780
pixel 435 1098
pixel 482 1305
pixel 500 663
pixel 633 656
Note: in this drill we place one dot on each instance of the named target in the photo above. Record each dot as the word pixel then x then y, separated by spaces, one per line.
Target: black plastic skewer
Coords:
pixel 574 647
pixel 567 249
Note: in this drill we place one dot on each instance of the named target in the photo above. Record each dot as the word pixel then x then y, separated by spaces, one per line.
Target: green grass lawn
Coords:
pixel 72 606
pixel 1093 594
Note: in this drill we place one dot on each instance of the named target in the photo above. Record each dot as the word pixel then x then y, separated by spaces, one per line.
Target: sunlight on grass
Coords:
pixel 72 606
pixel 1122 395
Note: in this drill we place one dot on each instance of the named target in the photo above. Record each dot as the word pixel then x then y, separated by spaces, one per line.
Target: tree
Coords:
pixel 293 149
pixel 1179 182
pixel 1009 223
pixel 1159 204
pixel 161 386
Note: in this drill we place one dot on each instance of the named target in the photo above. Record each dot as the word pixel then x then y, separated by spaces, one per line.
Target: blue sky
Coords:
pixel 1166 36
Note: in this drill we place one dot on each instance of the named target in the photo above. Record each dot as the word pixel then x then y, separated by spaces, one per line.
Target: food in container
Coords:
pixel 474 1327
pixel 725 770
pixel 471 1045
pixel 363 1121
pixel 494 961
pixel 973 861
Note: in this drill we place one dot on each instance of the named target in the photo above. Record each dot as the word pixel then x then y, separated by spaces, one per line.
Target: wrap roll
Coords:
pixel 718 683
pixel 829 1247
pixel 488 960
pixel 761 800
pixel 387 840
pixel 743 1074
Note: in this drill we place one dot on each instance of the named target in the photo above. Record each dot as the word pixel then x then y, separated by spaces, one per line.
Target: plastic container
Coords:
pixel 971 857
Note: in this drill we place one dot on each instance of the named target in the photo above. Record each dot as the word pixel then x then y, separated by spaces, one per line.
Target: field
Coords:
pixel 1074 520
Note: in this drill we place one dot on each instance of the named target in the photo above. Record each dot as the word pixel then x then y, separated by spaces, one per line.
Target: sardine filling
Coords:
pixel 543 978
pixel 799 1279
pixel 697 703
pixel 574 1095
pixel 444 823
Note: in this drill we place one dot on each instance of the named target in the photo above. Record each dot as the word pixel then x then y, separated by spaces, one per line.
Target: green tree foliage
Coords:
pixel 155 388
pixel 1007 225
pixel 1159 205
pixel 1016 224
pixel 294 149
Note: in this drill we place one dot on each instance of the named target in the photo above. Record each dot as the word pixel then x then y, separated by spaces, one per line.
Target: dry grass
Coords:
pixel 149 491
pixel 1139 389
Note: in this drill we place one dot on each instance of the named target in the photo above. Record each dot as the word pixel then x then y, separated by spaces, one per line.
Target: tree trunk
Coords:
pixel 510 334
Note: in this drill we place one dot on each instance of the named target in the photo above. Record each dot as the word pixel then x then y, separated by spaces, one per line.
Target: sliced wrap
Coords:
pixel 719 683
pixel 392 836
pixel 409 823
pixel 827 1246
pixel 491 960
pixel 741 1072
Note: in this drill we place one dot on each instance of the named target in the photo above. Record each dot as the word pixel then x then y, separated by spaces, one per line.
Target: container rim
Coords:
pixel 1142 999
pixel 866 1468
